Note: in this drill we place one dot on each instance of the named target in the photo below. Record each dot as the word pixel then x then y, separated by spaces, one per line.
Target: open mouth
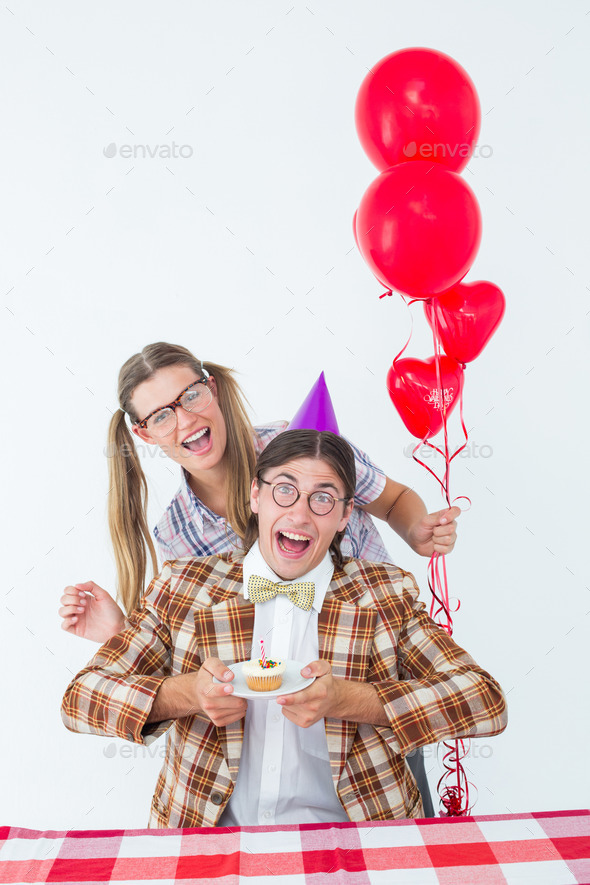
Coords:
pixel 293 543
pixel 199 441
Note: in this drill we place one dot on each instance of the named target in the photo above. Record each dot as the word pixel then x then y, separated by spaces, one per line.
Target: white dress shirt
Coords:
pixel 284 775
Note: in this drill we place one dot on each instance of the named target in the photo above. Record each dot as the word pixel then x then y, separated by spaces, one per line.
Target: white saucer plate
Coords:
pixel 292 681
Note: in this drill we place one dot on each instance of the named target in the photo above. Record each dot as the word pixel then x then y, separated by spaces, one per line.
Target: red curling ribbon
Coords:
pixel 409 338
pixel 408 305
pixel 463 498
pixel 440 594
pixel 444 453
pixel 426 442
pixel 463 428
pixel 453 786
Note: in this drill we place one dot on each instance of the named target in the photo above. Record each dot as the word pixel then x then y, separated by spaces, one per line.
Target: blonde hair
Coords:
pixel 127 496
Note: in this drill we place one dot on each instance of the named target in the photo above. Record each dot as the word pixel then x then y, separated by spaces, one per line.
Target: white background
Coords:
pixel 244 253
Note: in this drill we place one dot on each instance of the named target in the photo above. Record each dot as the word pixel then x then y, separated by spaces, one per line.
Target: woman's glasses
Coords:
pixel 161 422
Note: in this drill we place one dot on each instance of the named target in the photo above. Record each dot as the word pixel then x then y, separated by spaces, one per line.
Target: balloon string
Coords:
pixel 442 400
pixel 463 428
pixel 454 796
pixel 440 594
pixel 408 305
pixel 426 467
pixel 443 483
pixel 430 445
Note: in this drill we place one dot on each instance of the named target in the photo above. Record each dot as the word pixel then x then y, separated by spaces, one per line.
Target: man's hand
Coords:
pixel 435 532
pixel 332 697
pixel 217 701
pixel 190 693
pixel 319 700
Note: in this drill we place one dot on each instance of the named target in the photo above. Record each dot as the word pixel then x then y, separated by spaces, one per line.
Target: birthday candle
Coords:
pixel 262 655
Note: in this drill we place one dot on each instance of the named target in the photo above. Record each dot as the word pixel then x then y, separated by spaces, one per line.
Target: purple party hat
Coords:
pixel 316 412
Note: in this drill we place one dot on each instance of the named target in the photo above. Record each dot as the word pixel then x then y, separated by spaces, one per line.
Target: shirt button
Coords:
pixel 276 717
pixel 266 815
pixel 216 798
pixel 272 768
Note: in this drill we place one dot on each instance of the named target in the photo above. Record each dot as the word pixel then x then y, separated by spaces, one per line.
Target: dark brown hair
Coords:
pixel 293 444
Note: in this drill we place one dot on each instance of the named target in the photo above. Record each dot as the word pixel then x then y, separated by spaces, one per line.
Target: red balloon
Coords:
pixel 414 391
pixel 419 228
pixel 356 239
pixel 418 104
pixel 354 233
pixel 466 316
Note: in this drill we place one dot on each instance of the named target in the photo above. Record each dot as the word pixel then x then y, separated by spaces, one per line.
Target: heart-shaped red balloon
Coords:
pixel 414 391
pixel 466 316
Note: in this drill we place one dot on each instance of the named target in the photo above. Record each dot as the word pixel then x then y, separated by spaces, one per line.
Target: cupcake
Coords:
pixel 263 677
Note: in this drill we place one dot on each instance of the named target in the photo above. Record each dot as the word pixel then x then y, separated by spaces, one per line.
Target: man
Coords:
pixel 387 679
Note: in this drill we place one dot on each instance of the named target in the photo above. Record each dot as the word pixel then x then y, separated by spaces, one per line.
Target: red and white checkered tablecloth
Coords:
pixel 540 848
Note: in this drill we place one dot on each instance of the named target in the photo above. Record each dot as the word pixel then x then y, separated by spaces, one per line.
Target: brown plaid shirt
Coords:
pixel 372 628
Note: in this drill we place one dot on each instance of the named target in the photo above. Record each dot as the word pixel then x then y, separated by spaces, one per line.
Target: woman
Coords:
pixel 195 413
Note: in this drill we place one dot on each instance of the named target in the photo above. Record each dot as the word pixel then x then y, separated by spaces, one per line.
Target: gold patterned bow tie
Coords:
pixel 300 594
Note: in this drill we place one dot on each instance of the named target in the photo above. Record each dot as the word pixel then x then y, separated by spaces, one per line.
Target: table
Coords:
pixel 536 848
